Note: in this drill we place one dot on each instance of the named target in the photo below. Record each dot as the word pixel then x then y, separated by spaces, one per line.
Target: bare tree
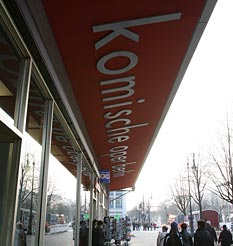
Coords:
pixel 26 189
pixel 221 174
pixel 25 180
pixel 51 194
pixel 198 180
pixel 180 194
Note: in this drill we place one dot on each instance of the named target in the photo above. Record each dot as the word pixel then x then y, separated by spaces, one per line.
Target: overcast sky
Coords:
pixel 198 111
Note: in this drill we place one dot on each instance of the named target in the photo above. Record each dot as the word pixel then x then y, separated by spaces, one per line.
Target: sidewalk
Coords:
pixel 147 238
pixel 139 238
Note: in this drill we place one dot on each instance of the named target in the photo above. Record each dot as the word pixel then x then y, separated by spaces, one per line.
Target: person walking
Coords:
pixel 225 237
pixel 162 235
pixel 211 230
pixel 202 236
pixel 186 236
pixel 98 237
pixel 173 238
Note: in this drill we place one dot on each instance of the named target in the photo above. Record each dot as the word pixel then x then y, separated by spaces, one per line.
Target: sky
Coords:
pixel 197 113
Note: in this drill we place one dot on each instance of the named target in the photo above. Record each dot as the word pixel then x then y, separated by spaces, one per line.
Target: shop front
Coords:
pixel 84 90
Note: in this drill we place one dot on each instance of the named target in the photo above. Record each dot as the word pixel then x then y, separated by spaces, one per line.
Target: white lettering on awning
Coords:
pixel 119 28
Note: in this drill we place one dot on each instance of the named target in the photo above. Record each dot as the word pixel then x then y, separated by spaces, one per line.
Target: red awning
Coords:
pixel 125 61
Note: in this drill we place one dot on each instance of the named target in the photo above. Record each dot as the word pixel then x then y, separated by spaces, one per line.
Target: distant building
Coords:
pixel 117 204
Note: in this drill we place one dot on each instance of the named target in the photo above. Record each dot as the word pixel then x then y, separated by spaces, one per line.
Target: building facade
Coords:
pixel 78 80
pixel 117 204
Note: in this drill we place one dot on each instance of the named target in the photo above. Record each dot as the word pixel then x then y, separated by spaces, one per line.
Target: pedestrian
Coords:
pixel 134 225
pixel 186 236
pixel 202 236
pixel 83 233
pixel 94 223
pixel 20 236
pixel 98 237
pixel 225 237
pixel 211 230
pixel 162 235
pixel 173 238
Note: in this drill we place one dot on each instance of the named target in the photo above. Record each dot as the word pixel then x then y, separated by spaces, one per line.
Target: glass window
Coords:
pixel 35 112
pixel 29 170
pixel 61 191
pixel 119 203
pixel 111 204
pixel 118 193
pixel 9 73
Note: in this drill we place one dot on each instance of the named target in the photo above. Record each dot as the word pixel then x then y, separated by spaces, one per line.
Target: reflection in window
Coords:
pixel 35 113
pixel 28 189
pixel 29 170
pixel 61 190
pixel 9 72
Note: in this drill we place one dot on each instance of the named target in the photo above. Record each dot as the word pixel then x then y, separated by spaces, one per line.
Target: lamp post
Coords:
pixel 190 204
pixel 29 232
pixel 167 215
pixel 149 208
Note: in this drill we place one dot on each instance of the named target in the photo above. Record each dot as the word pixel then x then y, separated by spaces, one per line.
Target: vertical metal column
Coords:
pixel 98 204
pixel 21 104
pixel 107 198
pixel 78 195
pixel 190 204
pixel 91 209
pixel 42 199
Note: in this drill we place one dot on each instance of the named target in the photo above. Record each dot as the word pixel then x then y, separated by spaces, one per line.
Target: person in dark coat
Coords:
pixel 98 237
pixel 186 236
pixel 211 230
pixel 173 238
pixel 83 234
pixel 225 237
pixel 202 236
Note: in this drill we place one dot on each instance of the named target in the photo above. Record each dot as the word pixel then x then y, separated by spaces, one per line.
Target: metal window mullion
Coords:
pixel 78 195
pixel 91 209
pixel 98 205
pixel 22 93
pixel 46 146
pixel 107 196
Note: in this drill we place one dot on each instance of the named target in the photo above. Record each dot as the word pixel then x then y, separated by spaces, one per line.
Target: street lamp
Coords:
pixel 190 203
pixel 149 208
pixel 29 232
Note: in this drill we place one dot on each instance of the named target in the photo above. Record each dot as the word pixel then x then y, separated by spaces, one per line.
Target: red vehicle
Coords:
pixel 208 214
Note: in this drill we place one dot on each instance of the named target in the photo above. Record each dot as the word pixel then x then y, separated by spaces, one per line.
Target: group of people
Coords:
pixel 205 235
pixel 98 235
